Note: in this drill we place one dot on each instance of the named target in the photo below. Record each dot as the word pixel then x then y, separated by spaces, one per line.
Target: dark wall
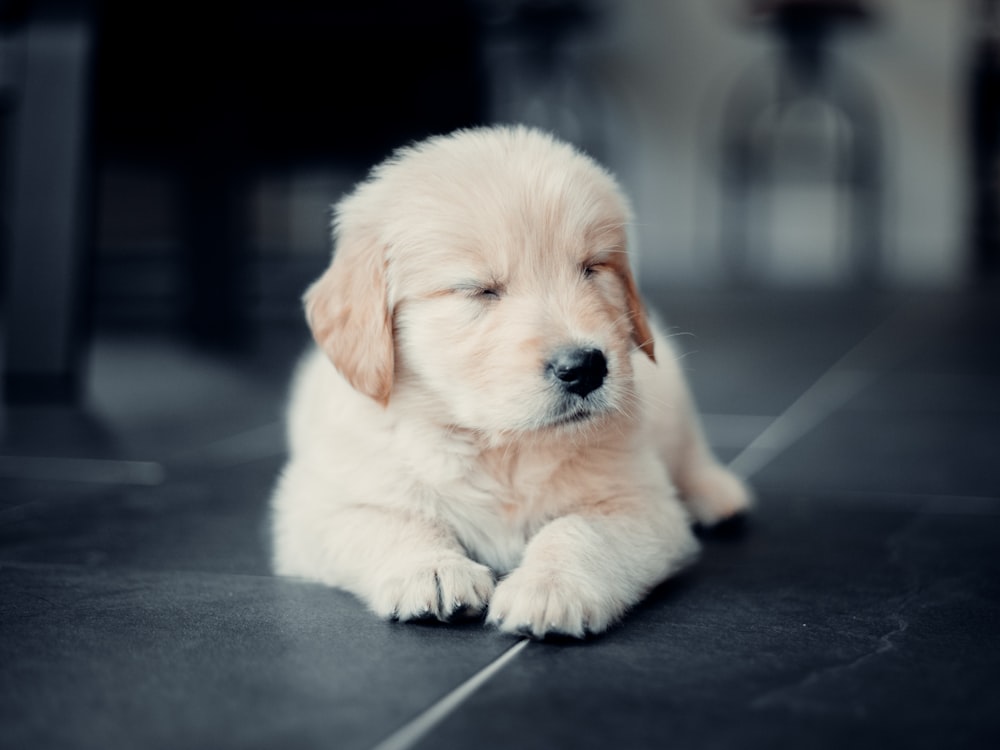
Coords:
pixel 211 94
pixel 285 80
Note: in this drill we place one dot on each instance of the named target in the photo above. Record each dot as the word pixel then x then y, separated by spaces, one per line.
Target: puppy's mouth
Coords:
pixel 581 415
pixel 575 415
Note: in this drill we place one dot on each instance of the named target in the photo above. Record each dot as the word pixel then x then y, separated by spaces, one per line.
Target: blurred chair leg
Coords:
pixel 48 216
pixel 744 168
pixel 748 148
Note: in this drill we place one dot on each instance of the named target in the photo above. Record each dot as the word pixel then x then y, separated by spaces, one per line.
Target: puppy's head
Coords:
pixel 485 273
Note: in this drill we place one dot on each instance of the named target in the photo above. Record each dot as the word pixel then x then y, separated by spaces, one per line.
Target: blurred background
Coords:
pixel 171 166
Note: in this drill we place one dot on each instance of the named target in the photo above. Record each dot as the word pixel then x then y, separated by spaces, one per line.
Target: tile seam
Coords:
pixel 417 728
pixel 843 380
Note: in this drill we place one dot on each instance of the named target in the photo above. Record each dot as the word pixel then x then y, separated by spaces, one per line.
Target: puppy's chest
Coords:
pixel 511 493
pixel 495 504
pixel 508 483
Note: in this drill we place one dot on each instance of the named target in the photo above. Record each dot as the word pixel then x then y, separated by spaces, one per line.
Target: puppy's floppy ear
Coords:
pixel 348 312
pixel 642 334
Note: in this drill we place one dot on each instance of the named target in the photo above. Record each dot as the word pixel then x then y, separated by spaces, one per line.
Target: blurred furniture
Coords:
pixel 539 57
pixel 984 140
pixel 804 71
pixel 50 45
pixel 213 93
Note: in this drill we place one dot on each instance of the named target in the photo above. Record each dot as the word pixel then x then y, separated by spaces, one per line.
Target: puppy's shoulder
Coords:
pixel 324 411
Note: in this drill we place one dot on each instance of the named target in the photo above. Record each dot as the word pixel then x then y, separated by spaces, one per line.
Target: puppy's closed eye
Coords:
pixel 597 263
pixel 483 292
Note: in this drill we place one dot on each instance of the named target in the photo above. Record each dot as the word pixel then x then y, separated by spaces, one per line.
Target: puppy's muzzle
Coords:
pixel 579 371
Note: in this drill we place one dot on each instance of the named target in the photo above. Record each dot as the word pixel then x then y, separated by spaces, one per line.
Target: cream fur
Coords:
pixel 433 454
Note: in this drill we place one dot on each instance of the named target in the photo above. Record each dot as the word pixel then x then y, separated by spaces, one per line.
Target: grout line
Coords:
pixel 90 470
pixel 413 731
pixel 119 571
pixel 834 388
pixel 263 441
pixel 733 430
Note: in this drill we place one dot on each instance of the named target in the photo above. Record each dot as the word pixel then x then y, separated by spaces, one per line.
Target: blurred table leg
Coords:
pixel 48 214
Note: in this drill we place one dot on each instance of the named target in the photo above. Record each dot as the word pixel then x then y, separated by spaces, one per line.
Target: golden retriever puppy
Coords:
pixel 490 422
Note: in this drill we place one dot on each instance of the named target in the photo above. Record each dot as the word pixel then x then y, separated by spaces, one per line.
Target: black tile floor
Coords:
pixel 859 608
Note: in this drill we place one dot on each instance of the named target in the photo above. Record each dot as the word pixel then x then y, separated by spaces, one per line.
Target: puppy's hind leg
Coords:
pixel 402 566
pixel 711 492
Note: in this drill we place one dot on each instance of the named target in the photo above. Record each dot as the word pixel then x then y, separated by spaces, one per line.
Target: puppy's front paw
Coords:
pixel 442 588
pixel 543 602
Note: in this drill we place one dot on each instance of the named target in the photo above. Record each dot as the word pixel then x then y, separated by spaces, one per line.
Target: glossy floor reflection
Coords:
pixel 859 607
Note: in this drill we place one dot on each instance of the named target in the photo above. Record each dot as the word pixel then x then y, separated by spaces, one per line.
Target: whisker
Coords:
pixel 678 334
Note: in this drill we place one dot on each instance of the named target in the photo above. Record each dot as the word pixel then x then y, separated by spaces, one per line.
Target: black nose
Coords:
pixel 581 371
